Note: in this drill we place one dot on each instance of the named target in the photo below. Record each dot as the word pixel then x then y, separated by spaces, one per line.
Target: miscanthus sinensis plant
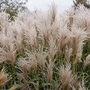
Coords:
pixel 45 50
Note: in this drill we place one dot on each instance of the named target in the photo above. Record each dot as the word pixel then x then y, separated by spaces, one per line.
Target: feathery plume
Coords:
pixel 41 59
pixel 52 48
pixel 32 58
pixel 68 54
pixel 79 36
pixel 66 76
pixel 50 70
pixel 24 67
pixel 3 78
pixel 52 13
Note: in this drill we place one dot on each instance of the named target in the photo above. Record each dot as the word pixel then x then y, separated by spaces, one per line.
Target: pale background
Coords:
pixel 43 5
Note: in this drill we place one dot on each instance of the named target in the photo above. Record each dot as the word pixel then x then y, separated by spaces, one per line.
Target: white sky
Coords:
pixel 62 5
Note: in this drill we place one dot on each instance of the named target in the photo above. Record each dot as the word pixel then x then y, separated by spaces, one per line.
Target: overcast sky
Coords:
pixel 43 5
